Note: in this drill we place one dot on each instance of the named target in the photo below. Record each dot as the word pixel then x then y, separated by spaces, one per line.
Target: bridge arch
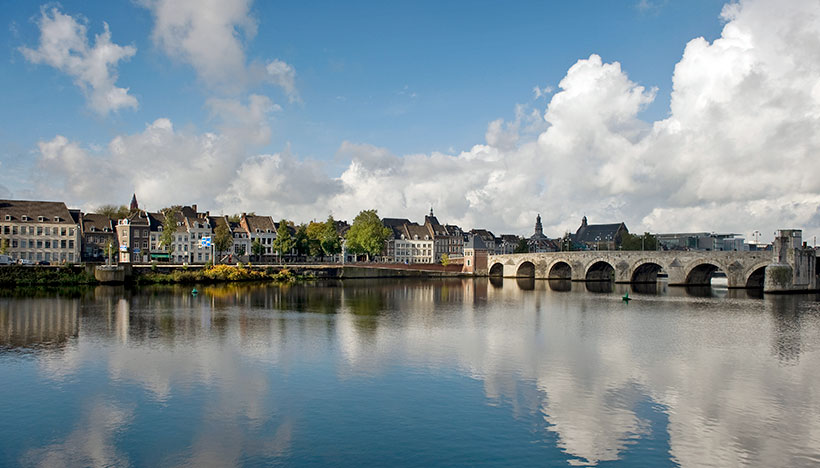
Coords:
pixel 560 270
pixel 526 270
pixel 701 273
pixel 755 275
pixel 645 272
pixel 497 269
pixel 600 270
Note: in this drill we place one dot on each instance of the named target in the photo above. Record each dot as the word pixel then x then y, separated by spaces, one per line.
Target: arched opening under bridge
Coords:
pixel 561 270
pixel 497 270
pixel 704 274
pixel 755 279
pixel 526 270
pixel 600 271
pixel 646 273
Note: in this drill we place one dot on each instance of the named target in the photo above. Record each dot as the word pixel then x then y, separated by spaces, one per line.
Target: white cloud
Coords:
pixel 737 151
pixel 209 35
pixel 64 45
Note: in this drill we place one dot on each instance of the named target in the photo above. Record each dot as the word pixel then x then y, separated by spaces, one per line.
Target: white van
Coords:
pixel 6 260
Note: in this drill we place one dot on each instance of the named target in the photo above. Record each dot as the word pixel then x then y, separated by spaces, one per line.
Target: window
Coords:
pixel 62 244
pixel 41 219
pixel 14 243
pixel 56 219
pixel 8 217
pixel 48 244
pixel 71 231
pixel 70 244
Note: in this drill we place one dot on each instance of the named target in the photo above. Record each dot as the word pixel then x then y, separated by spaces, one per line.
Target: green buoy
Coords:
pixel 194 292
pixel 626 298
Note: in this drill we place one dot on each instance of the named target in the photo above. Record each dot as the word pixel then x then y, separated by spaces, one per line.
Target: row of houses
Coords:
pixel 43 231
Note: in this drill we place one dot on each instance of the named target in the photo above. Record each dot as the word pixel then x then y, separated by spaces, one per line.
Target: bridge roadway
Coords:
pixel 742 269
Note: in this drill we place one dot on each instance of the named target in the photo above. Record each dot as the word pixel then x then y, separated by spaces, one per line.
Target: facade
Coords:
pixel 488 239
pixel 415 244
pixel 599 236
pixel 39 231
pixel 97 232
pixel 445 241
pixel 475 256
pixel 133 238
pixel 700 241
pixel 263 230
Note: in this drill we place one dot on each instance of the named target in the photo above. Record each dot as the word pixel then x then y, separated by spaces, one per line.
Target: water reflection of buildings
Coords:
pixel 40 322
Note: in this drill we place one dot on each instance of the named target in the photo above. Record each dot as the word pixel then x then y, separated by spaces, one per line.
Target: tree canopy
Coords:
pixel 639 242
pixel 169 228
pixel 114 211
pixel 223 240
pixel 522 246
pixel 367 234
pixel 283 242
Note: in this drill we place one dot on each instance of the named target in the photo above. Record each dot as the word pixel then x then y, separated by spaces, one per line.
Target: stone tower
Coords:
pixel 134 206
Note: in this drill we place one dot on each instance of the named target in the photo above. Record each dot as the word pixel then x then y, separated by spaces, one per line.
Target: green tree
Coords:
pixel 169 229
pixel 301 241
pixel 4 246
pixel 566 242
pixel 639 242
pixel 223 240
pixel 283 242
pixel 330 242
pixel 367 235
pixel 522 246
pixel 234 218
pixel 114 211
pixel 314 232
pixel 445 259
pixel 257 249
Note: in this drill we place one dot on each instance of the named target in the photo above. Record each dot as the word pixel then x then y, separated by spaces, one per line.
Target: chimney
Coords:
pixel 193 207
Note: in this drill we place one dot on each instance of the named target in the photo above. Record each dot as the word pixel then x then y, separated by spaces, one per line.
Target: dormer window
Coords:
pixel 41 218
pixel 25 218
pixel 8 217
pixel 56 219
pixel 93 229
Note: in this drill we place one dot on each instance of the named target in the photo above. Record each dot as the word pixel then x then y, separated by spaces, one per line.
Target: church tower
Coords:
pixel 134 205
pixel 539 230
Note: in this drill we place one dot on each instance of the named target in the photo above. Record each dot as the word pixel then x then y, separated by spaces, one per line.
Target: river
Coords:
pixel 409 373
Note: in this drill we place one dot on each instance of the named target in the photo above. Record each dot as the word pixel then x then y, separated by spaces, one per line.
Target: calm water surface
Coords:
pixel 408 373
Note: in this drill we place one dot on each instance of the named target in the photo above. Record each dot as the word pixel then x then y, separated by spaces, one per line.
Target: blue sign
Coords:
pixel 206 242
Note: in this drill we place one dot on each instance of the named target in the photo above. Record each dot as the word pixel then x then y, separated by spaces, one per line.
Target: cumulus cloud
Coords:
pixel 280 185
pixel 735 153
pixel 64 45
pixel 208 35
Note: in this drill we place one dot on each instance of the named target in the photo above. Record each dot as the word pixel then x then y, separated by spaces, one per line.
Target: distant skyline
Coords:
pixel 669 116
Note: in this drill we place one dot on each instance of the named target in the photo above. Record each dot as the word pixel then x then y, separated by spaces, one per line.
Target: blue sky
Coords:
pixel 405 78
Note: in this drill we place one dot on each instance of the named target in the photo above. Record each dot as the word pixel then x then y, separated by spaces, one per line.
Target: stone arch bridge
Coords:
pixel 742 269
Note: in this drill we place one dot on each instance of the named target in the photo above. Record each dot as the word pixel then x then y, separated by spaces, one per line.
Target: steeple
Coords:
pixel 134 205
pixel 584 221
pixel 431 212
pixel 539 230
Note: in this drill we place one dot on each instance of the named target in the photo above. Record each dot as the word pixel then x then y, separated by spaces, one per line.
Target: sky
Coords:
pixel 669 116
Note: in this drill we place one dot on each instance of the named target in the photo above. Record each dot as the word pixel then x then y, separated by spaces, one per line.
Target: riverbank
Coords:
pixel 16 275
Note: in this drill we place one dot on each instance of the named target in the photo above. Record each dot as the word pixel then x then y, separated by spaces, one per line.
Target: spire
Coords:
pixel 584 221
pixel 134 205
pixel 431 212
pixel 539 230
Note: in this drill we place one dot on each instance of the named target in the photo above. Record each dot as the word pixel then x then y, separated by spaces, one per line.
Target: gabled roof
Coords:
pixel 95 222
pixel 410 232
pixel 258 223
pixel 598 232
pixel 52 212
pixel 485 235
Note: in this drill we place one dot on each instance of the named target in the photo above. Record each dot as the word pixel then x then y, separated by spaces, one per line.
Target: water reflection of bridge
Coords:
pixel 742 269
